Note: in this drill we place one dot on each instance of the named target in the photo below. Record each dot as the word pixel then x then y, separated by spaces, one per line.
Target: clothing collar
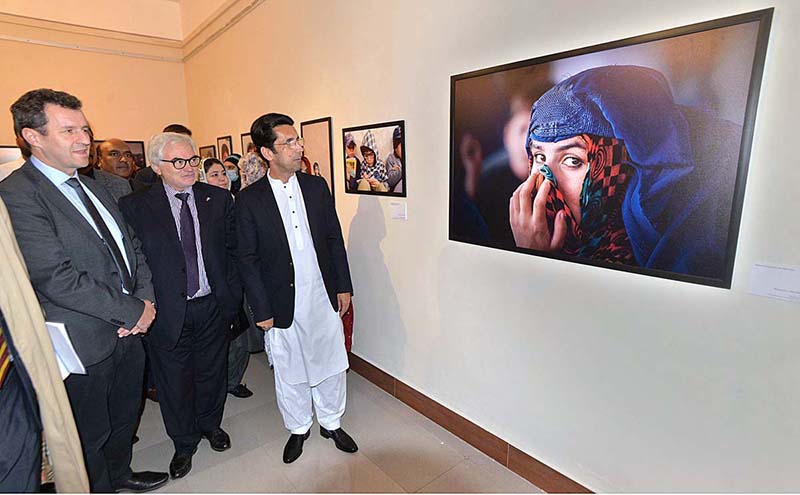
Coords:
pixel 172 192
pixel 57 177
pixel 277 182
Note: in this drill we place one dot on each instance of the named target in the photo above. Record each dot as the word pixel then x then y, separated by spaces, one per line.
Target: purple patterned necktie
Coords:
pixel 189 244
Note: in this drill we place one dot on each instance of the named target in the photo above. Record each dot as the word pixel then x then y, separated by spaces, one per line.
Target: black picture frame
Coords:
pixel 694 61
pixel 385 132
pixel 209 151
pixel 318 148
pixel 224 147
pixel 246 141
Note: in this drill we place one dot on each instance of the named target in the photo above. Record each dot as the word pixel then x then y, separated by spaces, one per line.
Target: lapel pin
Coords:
pixel 208 198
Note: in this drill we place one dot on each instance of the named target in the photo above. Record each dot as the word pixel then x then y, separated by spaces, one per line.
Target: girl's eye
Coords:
pixel 539 158
pixel 573 162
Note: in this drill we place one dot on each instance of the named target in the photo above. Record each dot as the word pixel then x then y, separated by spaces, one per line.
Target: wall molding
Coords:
pixel 533 470
pixel 56 34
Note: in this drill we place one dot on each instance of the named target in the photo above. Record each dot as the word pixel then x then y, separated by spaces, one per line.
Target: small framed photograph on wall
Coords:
pixel 374 159
pixel 208 151
pixel 224 147
pixel 247 144
pixel 318 148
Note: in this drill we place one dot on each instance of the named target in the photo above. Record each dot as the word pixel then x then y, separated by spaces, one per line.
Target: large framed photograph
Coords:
pixel 631 155
pixel 247 144
pixel 374 159
pixel 225 147
pixel 209 151
pixel 318 148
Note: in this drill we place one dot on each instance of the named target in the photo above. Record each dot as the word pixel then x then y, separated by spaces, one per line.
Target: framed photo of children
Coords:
pixel 631 155
pixel 208 151
pixel 318 149
pixel 225 147
pixel 374 159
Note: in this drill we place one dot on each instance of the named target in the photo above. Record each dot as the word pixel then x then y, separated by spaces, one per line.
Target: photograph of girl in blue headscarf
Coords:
pixel 622 171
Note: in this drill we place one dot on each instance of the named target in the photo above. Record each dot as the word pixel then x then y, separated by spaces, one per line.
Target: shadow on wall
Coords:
pixel 379 333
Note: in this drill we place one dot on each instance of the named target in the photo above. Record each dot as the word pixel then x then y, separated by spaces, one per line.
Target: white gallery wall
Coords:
pixel 622 382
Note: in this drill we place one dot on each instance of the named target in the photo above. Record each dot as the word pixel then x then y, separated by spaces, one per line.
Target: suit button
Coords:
pixel 291 285
pixel 183 294
pixel 290 264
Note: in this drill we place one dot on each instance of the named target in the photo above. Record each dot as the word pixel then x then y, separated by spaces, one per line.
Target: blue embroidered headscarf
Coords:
pixel 635 105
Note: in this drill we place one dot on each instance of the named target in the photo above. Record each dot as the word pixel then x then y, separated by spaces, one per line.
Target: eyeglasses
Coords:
pixel 116 155
pixel 180 163
pixel 299 142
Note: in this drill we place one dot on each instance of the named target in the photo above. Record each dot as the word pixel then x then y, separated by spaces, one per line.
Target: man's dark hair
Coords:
pixel 28 110
pixel 178 128
pixel 262 132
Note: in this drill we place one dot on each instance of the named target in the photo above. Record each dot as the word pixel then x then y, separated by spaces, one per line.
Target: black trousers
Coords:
pixel 191 378
pixel 21 451
pixel 105 404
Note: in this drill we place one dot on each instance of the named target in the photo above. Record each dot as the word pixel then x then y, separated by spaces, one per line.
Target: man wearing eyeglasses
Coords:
pixel 295 272
pixel 188 235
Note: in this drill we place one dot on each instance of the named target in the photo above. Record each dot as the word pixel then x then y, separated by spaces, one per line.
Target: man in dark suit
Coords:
pixel 188 235
pixel 89 273
pixel 297 279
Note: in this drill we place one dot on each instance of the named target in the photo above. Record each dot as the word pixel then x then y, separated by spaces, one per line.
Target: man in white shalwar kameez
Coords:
pixel 298 284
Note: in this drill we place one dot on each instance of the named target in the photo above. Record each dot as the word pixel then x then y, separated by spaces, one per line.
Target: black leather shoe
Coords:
pixel 142 482
pixel 294 447
pixel 218 439
pixel 181 464
pixel 342 440
pixel 241 391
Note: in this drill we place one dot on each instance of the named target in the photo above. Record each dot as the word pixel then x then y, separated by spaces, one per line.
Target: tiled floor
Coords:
pixel 399 450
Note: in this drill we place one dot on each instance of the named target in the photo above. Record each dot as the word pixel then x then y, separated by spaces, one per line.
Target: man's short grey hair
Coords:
pixel 157 143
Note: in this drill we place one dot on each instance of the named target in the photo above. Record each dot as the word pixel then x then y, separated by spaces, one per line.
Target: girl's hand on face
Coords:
pixel 528 217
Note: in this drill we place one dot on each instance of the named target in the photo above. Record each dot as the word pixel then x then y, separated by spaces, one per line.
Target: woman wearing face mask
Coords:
pixel 214 173
pixel 618 174
pixel 231 165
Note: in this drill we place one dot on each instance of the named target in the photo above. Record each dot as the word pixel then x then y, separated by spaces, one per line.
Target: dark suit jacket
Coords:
pixel 266 262
pixel 149 214
pixel 70 268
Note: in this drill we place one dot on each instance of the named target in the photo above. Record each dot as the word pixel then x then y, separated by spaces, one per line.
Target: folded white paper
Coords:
pixel 68 360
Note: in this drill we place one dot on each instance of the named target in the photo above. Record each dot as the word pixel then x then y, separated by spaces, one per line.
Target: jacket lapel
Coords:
pixel 51 194
pixel 161 211
pixel 202 203
pixel 113 209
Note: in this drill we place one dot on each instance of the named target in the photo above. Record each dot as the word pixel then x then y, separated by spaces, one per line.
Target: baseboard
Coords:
pixel 538 473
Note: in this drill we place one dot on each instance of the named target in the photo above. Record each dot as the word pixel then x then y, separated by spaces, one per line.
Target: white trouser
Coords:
pixel 295 401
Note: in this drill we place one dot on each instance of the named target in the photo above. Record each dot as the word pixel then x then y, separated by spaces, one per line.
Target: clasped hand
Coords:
pixel 141 326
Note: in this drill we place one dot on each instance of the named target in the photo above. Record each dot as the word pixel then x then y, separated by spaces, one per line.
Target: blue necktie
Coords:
pixel 189 244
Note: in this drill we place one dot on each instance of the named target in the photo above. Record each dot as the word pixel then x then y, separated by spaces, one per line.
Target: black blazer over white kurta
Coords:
pixel 149 214
pixel 266 262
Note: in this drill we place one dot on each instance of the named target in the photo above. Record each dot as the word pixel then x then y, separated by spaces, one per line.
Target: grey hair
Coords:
pixel 157 143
